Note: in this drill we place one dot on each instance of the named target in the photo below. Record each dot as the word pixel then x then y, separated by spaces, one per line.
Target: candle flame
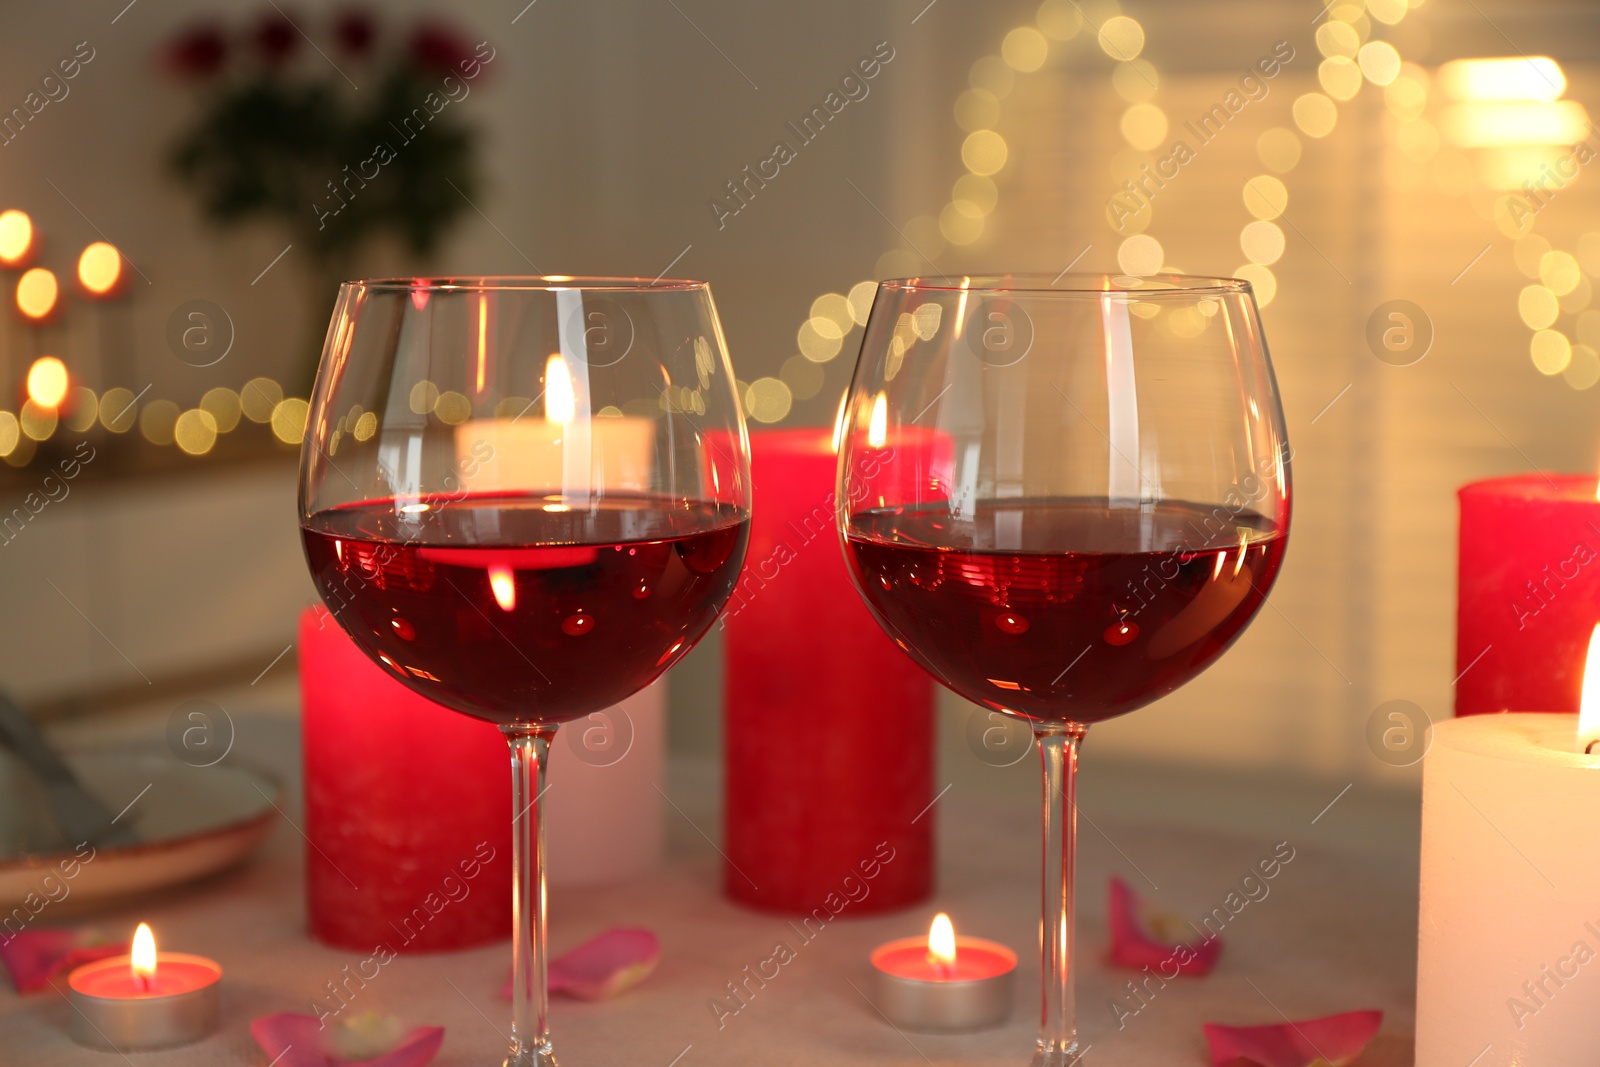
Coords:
pixel 942 940
pixel 503 586
pixel 144 956
pixel 560 399
pixel 878 427
pixel 1589 703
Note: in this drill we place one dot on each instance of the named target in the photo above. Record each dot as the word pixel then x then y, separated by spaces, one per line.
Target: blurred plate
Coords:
pixel 191 822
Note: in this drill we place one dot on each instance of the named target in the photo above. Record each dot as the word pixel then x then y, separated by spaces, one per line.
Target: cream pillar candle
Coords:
pixel 1508 955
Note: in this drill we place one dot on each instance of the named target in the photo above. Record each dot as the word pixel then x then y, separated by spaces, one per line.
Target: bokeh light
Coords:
pixel 158 420
pixel 10 433
pixel 1265 197
pixel 100 268
pixel 768 400
pixel 1121 37
pixel 259 397
pixel 1144 126
pixel 1025 49
pixel 289 420
pixel 1550 351
pixel 1340 77
pixel 16 239
pixel 452 408
pixel 814 344
pixel 984 152
pixel 195 431
pixel 978 192
pixel 36 292
pixel 977 109
pixel 48 382
pixel 223 406
pixel 1061 20
pixel 861 296
pixel 84 410
pixel 1335 38
pixel 119 409
pixel 803 377
pixel 37 421
pixel 1279 149
pixel 1135 81
pixel 1140 255
pixel 1262 242
pixel 1537 306
pixel 1559 272
pixel 1379 62
pixel 1262 280
pixel 1584 369
pixel 959 226
pixel 1315 114
pixel 991 74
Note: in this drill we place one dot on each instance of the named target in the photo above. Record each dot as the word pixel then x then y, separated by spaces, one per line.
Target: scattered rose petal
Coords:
pixel 1332 1039
pixel 1135 946
pixel 603 966
pixel 33 957
pixel 301 1041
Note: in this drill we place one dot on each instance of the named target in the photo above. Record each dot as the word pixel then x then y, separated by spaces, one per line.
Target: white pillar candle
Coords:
pixel 1508 955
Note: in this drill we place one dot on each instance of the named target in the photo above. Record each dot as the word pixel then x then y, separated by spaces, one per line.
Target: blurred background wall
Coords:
pixel 610 132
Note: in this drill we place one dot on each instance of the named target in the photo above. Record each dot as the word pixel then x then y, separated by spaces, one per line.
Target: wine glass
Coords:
pixel 1063 497
pixel 525 498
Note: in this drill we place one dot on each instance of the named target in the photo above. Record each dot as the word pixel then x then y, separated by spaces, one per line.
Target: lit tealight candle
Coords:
pixel 144 1000
pixel 1509 928
pixel 944 982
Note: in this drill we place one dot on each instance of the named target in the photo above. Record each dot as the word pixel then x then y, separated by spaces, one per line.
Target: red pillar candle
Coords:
pixel 408 843
pixel 1529 589
pixel 828 726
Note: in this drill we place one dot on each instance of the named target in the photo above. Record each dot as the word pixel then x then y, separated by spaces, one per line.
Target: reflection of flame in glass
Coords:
pixel 1589 703
pixel 144 957
pixel 838 430
pixel 560 401
pixel 503 586
pixel 942 941
pixel 878 427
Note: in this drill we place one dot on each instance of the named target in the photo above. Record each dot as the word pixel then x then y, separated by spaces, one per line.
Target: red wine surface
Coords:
pixel 513 609
pixel 1064 609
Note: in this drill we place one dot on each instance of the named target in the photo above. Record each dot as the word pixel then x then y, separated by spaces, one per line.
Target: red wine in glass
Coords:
pixel 512 608
pixel 1088 609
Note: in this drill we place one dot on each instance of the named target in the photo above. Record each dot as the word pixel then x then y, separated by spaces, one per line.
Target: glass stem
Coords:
pixel 1058 1024
pixel 530 1030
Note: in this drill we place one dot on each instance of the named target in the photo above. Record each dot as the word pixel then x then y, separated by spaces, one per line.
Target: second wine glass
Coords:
pixel 1064 498
pixel 525 499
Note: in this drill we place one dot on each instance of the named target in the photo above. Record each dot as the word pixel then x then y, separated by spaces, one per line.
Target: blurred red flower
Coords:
pixel 197 52
pixel 276 37
pixel 437 47
pixel 355 30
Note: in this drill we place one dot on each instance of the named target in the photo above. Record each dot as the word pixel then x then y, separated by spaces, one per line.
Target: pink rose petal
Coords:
pixel 1332 1039
pixel 1134 946
pixel 293 1040
pixel 34 957
pixel 603 966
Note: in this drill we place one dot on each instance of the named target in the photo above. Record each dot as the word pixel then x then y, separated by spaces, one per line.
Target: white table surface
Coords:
pixel 1337 932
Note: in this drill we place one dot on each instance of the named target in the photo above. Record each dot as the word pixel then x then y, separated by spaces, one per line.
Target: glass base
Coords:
pixel 543 1055
pixel 1053 1055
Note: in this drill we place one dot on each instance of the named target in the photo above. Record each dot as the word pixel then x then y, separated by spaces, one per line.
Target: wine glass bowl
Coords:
pixel 526 499
pixel 1064 497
